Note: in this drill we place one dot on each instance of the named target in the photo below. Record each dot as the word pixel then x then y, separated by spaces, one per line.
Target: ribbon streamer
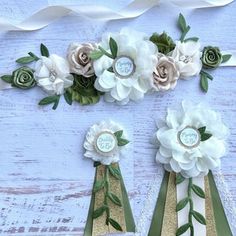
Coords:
pixel 49 14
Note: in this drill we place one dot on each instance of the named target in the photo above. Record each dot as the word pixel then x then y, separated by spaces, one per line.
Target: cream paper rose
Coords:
pixel 78 57
pixel 104 142
pixel 127 76
pixel 191 140
pixel 52 74
pixel 166 74
pixel 188 58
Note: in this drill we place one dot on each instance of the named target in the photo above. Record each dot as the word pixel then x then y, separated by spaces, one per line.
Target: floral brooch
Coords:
pixel 110 209
pixel 124 66
pixel 190 142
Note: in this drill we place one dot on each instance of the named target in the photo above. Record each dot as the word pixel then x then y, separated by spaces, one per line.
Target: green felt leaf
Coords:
pixel 203 83
pixel 113 47
pixel 96 54
pixel 44 50
pixel 110 69
pixel 206 74
pixel 51 99
pixel 205 136
pixel 199 217
pixel 182 23
pixel 34 56
pixel 118 134
pixel 179 179
pixel 226 57
pixel 202 130
pixel 68 97
pixel 114 172
pixel 195 39
pixel 181 204
pixel 115 224
pixel 198 190
pixel 115 199
pixel 99 184
pixel 7 78
pixel 182 229
pixel 99 211
pixel 25 60
pixel 122 142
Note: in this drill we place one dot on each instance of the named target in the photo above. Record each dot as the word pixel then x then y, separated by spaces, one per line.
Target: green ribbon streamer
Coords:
pixel 221 222
pixel 129 220
pixel 157 219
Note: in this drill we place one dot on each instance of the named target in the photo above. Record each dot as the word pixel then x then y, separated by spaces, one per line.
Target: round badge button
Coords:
pixel 106 142
pixel 189 137
pixel 123 66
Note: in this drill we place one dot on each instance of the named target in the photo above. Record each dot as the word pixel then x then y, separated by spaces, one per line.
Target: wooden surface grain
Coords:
pixel 45 184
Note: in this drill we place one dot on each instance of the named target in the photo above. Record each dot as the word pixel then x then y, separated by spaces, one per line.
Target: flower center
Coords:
pixel 123 66
pixel 53 75
pixel 185 59
pixel 106 142
pixel 189 137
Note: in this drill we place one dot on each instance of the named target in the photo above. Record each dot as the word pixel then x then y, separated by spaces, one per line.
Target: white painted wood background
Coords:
pixel 44 181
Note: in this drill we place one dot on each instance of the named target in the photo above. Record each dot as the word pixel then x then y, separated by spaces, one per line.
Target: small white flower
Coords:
pixel 179 140
pixel 101 144
pixel 52 74
pixel 131 71
pixel 188 58
pixel 78 57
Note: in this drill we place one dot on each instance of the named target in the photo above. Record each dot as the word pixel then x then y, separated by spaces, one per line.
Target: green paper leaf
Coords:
pixel 206 75
pixel 113 47
pixel 204 83
pixel 96 163
pixel 182 23
pixel 99 211
pixel 99 184
pixel 110 69
pixel 195 39
pixel 205 136
pixel 114 172
pixel 51 99
pixel 226 57
pixel 198 190
pixel 118 134
pixel 44 51
pixel 181 204
pixel 68 97
pixel 199 217
pixel 115 224
pixel 182 229
pixel 202 130
pixel 96 54
pixel 115 199
pixel 122 142
pixel 179 179
pixel 25 60
pixel 34 56
pixel 7 78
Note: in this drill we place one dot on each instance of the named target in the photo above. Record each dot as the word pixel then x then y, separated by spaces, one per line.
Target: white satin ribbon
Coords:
pixel 198 203
pixel 49 14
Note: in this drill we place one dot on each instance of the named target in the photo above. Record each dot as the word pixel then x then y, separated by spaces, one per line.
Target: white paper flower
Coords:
pixel 180 142
pixel 132 69
pixel 101 143
pixel 188 58
pixel 52 74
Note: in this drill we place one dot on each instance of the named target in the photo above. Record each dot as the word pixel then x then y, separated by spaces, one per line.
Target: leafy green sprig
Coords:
pixel 188 200
pixel 109 196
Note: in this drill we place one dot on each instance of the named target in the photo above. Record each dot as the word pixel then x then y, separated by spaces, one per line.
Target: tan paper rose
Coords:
pixel 78 57
pixel 166 74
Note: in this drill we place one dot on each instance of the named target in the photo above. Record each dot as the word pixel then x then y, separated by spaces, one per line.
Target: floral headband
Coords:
pixel 124 66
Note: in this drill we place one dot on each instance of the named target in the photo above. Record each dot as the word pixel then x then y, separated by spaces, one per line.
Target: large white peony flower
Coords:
pixel 52 74
pixel 188 58
pixel 127 77
pixel 102 144
pixel 185 142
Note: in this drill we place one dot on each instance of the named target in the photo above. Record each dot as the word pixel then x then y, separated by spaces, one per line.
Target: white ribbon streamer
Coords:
pixel 198 203
pixel 49 14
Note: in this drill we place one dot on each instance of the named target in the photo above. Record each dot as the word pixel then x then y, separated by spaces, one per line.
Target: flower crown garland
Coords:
pixel 123 66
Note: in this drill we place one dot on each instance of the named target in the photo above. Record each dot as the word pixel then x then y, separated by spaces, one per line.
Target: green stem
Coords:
pixel 190 183
pixel 105 52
